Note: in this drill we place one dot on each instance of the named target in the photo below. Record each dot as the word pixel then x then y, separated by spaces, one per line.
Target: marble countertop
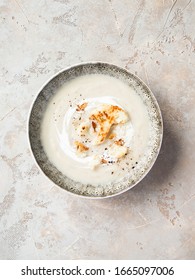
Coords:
pixel 155 40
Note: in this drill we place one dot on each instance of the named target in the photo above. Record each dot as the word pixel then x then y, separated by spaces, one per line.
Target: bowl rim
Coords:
pixel 154 100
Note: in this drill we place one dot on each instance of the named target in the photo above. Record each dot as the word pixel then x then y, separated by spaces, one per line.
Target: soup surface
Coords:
pixel 96 129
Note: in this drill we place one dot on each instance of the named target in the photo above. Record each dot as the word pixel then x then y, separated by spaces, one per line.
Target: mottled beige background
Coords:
pixel 155 40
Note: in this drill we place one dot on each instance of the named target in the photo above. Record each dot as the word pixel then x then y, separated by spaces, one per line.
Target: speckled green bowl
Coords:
pixel 40 105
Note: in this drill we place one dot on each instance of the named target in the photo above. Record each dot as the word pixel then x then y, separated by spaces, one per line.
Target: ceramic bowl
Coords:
pixel 37 112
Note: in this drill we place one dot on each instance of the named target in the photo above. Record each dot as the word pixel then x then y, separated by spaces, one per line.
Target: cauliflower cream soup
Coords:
pixel 95 129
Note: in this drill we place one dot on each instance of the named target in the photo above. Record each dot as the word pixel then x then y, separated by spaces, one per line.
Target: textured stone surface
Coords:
pixel 155 40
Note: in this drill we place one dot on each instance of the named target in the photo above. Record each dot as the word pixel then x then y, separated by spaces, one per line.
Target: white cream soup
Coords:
pixel 95 129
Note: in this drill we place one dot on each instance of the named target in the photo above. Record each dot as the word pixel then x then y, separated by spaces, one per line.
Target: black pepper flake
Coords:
pixel 79 118
pixel 112 172
pixel 123 168
pixel 126 154
pixel 106 149
pixel 131 159
pixel 136 162
pixel 127 163
pixel 133 167
pixel 54 103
